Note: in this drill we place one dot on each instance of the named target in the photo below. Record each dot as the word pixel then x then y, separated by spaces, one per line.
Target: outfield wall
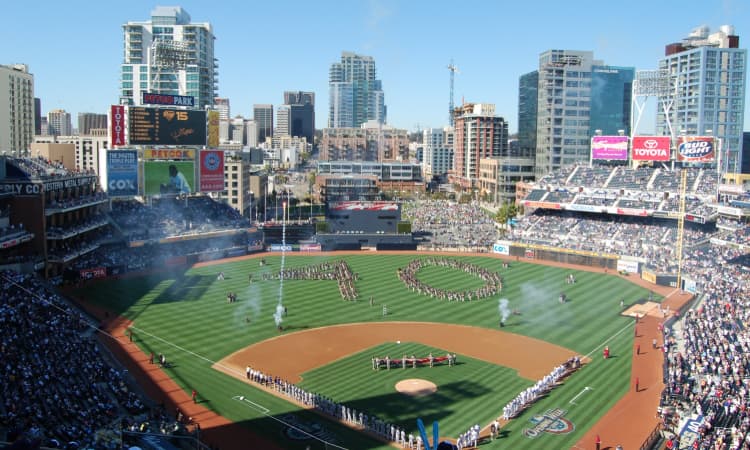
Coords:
pixel 533 252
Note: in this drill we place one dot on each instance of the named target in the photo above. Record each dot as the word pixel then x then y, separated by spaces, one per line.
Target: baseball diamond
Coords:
pixel 326 345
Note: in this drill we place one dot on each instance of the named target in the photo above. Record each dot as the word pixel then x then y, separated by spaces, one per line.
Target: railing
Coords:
pixel 652 437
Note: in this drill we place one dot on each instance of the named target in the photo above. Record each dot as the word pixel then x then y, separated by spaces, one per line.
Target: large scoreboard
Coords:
pixel 166 126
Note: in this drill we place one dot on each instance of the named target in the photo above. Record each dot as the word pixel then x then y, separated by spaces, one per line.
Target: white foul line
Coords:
pixel 579 394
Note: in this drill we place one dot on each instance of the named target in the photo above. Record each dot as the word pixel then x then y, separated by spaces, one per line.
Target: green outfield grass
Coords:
pixel 185 315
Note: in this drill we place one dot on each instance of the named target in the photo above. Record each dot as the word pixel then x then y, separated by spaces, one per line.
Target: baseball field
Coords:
pixel 325 344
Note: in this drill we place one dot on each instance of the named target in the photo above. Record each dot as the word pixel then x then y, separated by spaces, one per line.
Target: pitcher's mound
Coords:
pixel 416 387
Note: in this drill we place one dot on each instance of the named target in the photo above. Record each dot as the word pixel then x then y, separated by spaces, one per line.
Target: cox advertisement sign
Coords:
pixel 651 148
pixel 696 149
pixel 501 247
pixel 609 147
pixel 122 173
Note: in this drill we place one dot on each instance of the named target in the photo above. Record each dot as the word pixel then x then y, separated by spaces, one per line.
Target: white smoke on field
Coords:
pixel 532 294
pixel 504 309
pixel 249 304
pixel 279 314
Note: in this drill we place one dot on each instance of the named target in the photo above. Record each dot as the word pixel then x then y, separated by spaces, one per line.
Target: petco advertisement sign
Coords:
pixel 501 247
pixel 651 148
pixel 696 149
pixel 609 147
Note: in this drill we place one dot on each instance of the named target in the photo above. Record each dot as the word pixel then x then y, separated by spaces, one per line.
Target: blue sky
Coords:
pixel 74 48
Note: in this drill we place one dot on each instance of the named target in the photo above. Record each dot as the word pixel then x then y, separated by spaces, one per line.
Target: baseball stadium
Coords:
pixel 609 315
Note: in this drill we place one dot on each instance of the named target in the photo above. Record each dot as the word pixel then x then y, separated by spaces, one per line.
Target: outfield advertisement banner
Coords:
pixel 629 212
pixel 310 247
pixel 689 285
pixel 627 266
pixel 609 147
pixel 117 125
pixel 543 205
pixel 168 177
pixel 213 129
pixel 122 173
pixel 90 274
pixel 584 208
pixel 501 247
pixel 280 248
pixel 696 149
pixel 651 148
pixel 211 170
pixel 649 276
pixel 169 153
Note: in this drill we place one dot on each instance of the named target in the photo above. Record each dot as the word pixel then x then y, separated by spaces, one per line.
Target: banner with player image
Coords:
pixel 168 177
pixel 211 170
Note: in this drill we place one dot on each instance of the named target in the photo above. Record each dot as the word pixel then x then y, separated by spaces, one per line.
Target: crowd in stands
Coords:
pixel 450 224
pixel 76 202
pixel 38 167
pixel 641 188
pixel 409 276
pixel 99 220
pixel 170 217
pixel 707 365
pixel 58 387
pixel 650 238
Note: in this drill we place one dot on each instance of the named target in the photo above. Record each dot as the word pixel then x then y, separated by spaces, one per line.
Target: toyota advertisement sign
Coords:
pixel 696 149
pixel 651 148
pixel 609 147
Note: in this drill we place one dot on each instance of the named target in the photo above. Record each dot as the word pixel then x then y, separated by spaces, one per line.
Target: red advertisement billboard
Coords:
pixel 211 171
pixel 609 147
pixel 651 148
pixel 696 149
pixel 117 125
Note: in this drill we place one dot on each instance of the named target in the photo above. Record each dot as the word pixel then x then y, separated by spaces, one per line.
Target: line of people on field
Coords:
pixel 367 422
pixel 541 387
pixel 412 361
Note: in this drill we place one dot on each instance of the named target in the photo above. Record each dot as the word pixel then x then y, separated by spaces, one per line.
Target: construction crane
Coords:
pixel 453 69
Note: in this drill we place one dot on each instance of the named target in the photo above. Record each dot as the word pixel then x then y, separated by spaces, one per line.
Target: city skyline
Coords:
pixel 411 43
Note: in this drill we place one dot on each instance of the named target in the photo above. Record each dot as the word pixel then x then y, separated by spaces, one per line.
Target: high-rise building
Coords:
pixel 169 55
pixel 301 114
pixel 37 116
pixel 222 106
pixel 438 151
pixel 479 134
pixel 263 117
pixel 710 73
pixel 370 142
pixel 16 108
pixel 574 92
pixel 59 123
pixel 528 92
pixel 611 100
pixel 356 95
pixel 282 121
pixel 91 121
